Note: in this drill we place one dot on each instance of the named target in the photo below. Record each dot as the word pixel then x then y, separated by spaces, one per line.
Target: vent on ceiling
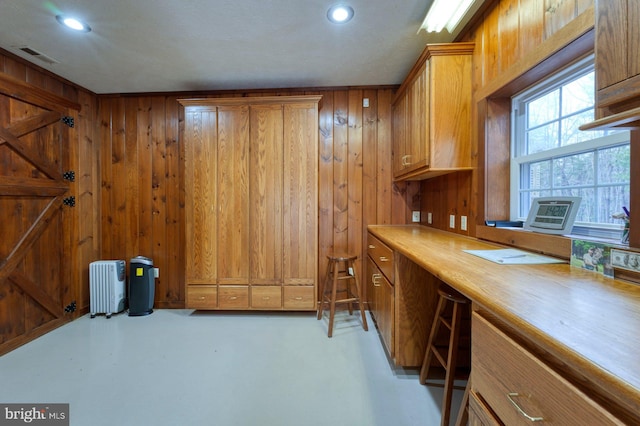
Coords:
pixel 44 58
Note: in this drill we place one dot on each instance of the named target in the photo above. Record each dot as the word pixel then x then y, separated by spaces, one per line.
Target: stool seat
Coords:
pixel 452 295
pixel 447 356
pixel 340 268
pixel 341 257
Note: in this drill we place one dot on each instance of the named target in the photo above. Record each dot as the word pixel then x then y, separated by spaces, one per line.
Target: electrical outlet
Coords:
pixel 429 218
pixel 452 221
pixel 415 216
pixel 463 223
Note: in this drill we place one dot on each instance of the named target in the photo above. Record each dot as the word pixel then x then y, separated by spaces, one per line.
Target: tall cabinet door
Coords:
pixel 201 135
pixel 233 194
pixel 300 203
pixel 265 188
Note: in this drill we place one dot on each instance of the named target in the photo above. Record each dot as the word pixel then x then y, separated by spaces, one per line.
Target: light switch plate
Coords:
pixel 452 221
pixel 463 223
pixel 429 218
pixel 415 217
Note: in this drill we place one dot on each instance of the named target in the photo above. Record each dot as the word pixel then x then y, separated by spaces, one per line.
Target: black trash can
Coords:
pixel 141 286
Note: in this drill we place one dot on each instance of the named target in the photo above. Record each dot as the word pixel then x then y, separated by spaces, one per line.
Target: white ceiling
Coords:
pixel 193 45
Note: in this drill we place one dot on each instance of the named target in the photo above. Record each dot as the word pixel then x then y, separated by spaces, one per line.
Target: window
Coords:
pixel 550 156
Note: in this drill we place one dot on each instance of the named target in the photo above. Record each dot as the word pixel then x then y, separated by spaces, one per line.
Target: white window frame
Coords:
pixel 518 117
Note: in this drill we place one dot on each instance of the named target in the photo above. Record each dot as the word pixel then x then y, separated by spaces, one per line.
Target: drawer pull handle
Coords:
pixel 233 297
pixel 384 259
pixel 201 298
pixel 512 395
pixel 266 298
pixel 371 246
pixel 375 279
pixel 298 298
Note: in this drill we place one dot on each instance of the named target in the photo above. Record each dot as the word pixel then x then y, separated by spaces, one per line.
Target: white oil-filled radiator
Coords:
pixel 107 287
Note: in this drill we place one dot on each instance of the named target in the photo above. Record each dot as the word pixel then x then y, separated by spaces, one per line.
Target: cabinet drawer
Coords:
pixel 381 255
pixel 300 297
pixel 514 384
pixel 233 297
pixel 202 297
pixel 266 297
pixel 479 414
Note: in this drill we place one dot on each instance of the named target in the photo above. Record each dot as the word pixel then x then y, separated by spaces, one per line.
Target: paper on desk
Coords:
pixel 513 257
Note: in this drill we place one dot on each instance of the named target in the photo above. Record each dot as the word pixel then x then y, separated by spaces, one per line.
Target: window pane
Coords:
pixel 543 109
pixel 542 138
pixel 613 164
pixel 578 95
pixel 570 132
pixel 610 201
pixel 573 170
pixel 587 210
pixel 538 175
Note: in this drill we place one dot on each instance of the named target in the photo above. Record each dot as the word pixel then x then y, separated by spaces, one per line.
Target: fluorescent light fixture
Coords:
pixel 73 23
pixel 340 13
pixel 445 13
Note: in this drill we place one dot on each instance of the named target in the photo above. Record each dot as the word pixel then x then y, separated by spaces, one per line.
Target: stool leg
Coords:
pixel 463 413
pixel 332 302
pixel 348 265
pixel 426 363
pixel 360 300
pixel 323 288
pixel 451 364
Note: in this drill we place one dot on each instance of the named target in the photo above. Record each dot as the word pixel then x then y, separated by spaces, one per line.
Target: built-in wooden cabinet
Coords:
pixel 402 298
pixel 380 291
pixel 511 385
pixel 617 64
pixel 251 178
pixel 432 114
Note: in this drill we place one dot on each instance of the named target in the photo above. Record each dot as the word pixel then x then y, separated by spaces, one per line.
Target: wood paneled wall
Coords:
pixel 142 186
pixel 506 35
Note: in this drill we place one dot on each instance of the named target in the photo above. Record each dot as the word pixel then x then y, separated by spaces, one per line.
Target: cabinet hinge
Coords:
pixel 70 176
pixel 69 201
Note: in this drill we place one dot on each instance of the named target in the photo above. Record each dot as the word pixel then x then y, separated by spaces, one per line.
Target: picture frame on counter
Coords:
pixel 592 256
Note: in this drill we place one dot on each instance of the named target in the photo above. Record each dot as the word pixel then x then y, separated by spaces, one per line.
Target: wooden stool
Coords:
pixel 449 359
pixel 328 295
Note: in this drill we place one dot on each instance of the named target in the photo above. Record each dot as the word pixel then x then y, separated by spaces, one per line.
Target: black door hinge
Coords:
pixel 71 307
pixel 70 176
pixel 69 201
pixel 68 121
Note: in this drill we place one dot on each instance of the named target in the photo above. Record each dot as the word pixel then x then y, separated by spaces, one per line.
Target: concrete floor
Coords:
pixel 180 367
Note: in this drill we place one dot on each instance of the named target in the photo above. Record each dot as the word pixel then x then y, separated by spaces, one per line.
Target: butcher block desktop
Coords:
pixel 579 328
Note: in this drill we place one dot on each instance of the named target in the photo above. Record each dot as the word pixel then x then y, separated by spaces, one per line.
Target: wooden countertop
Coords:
pixel 589 322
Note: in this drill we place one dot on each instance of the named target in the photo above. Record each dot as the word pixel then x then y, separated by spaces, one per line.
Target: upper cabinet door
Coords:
pixel 233 194
pixel 201 159
pixel 265 189
pixel 300 201
pixel 617 63
pixel 611 42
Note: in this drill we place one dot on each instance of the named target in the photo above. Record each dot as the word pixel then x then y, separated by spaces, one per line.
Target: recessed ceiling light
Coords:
pixel 340 13
pixel 73 23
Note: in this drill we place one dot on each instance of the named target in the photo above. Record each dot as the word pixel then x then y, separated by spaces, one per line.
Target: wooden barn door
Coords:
pixel 34 224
